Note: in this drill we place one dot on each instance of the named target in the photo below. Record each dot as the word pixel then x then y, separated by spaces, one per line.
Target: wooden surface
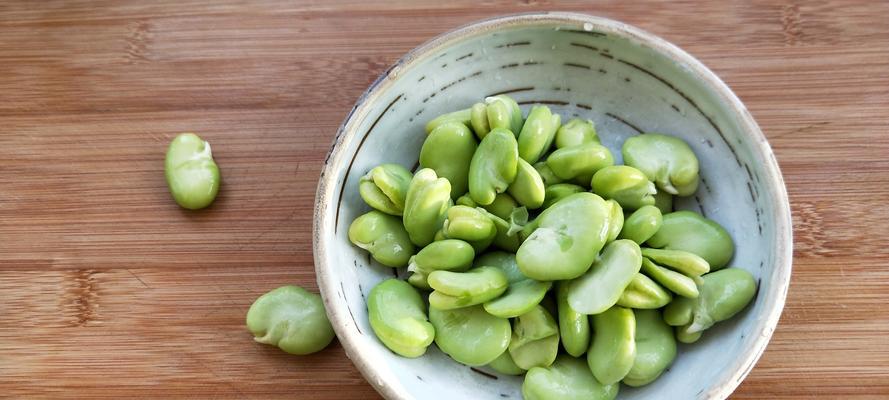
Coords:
pixel 108 289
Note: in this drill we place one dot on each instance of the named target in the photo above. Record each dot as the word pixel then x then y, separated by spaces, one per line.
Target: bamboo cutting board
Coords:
pixel 109 290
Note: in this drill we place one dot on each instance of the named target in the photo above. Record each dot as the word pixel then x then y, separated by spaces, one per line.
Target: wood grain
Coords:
pixel 108 290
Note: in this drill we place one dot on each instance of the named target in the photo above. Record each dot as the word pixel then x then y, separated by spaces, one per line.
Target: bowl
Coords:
pixel 627 81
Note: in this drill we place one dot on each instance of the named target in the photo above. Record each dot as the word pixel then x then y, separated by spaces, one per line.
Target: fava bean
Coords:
pixel 468 224
pixel 559 191
pixel 644 294
pixel 397 316
pixel 505 365
pixel 666 160
pixel 535 339
pixel 538 133
pixel 601 287
pixel 566 379
pixel 448 150
pixel 443 255
pixel 470 335
pixel 689 231
pixel 461 116
pixel 626 185
pixel 682 261
pixel 642 224
pixel 428 198
pixel 613 351
pixel 615 221
pixel 527 188
pixel 724 293
pixel 574 327
pixel 385 187
pixel 663 201
pixel 576 132
pixel 676 282
pixel 192 175
pixel 478 120
pixel 383 236
pixel 582 160
pixel 546 173
pixel 655 348
pixel 292 319
pixel 493 167
pixel 503 112
pixel 463 289
pixel 565 238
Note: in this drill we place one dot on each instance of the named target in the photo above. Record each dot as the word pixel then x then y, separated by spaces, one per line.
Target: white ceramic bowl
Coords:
pixel 624 79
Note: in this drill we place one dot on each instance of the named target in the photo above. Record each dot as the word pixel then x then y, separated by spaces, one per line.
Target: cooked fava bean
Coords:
pixel 397 316
pixel 613 351
pixel 470 335
pixel 292 319
pixel 689 231
pixel 682 261
pixel 535 339
pixel 601 287
pixel 675 281
pixel 527 188
pixel 615 221
pixel 494 166
pixel 567 378
pixel 191 173
pixel 574 327
pixel 626 185
pixel 644 294
pixel 428 198
pixel 576 132
pixel 461 116
pixel 385 187
pixel 582 160
pixel 384 237
pixel 538 133
pixel 655 348
pixel 448 150
pixel 666 160
pixel 642 224
pixel 463 289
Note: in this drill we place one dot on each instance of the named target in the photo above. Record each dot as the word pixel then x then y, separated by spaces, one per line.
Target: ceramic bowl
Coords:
pixel 628 82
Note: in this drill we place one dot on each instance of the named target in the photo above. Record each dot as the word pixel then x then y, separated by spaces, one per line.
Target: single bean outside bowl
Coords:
pixel 625 80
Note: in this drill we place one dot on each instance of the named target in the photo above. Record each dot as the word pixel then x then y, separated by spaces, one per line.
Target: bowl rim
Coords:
pixel 765 324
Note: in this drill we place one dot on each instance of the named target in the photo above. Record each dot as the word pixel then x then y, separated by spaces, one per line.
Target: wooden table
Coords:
pixel 109 290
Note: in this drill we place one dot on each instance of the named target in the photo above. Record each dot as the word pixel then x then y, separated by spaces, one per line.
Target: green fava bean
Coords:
pixel 684 336
pixel 601 287
pixel 503 112
pixel 664 202
pixel 672 280
pixel 463 289
pixel 565 238
pixel 626 185
pixel 535 339
pixel 682 261
pixel 644 294
pixel 655 348
pixel 466 200
pixel 428 198
pixel 527 188
pixel 567 378
pixel 478 120
pixel 615 220
pixel 504 239
pixel 724 293
pixel 546 173
pixel 191 173
pixel 462 117
pixel 493 167
pixel 538 133
pixel 448 151
pixel 292 319
pixel 680 311
pixel 580 160
pixel 502 206
pixel 689 231
pixel 443 255
pixel 468 224
pixel 504 261
pixel 576 132
pixel 518 299
pixel 397 315
pixel 574 327
pixel 505 365
pixel 470 335
pixel 613 351
pixel 642 224
pixel 666 160
pixel 384 237
pixel 385 187
pixel 559 191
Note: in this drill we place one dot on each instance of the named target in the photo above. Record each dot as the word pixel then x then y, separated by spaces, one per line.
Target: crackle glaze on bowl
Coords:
pixel 628 82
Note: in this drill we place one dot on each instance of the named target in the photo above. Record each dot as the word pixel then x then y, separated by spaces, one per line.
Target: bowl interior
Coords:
pixel 627 82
